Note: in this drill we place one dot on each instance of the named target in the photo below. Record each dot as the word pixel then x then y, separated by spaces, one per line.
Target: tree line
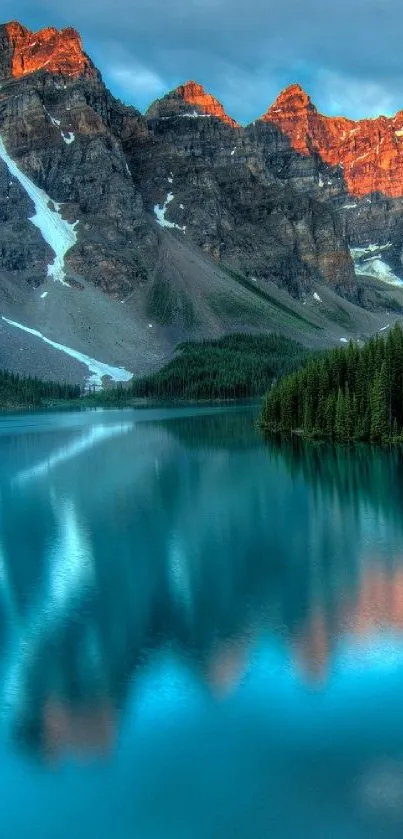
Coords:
pixel 237 366
pixel 346 394
pixel 28 392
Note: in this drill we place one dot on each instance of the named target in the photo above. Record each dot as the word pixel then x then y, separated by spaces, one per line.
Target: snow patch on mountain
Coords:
pixel 195 115
pixel 368 262
pixel 54 121
pixel 69 137
pixel 59 234
pixel 97 368
pixel 160 214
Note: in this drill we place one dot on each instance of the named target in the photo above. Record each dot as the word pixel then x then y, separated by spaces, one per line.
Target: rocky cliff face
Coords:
pixel 370 151
pixel 356 166
pixel 60 126
pixel 231 203
pixel 56 52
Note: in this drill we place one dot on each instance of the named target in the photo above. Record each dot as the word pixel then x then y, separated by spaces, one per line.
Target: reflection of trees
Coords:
pixel 198 547
pixel 234 429
pixel 355 475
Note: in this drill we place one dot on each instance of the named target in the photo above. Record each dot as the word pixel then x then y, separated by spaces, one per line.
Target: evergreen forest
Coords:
pixel 346 394
pixel 27 392
pixel 236 366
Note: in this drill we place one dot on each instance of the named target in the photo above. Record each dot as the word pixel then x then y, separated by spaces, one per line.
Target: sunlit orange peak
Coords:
pixel 50 49
pixel 195 95
pixel 370 151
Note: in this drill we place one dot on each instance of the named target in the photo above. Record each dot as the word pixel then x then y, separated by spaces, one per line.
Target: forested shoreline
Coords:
pixel 29 392
pixel 236 366
pixel 346 394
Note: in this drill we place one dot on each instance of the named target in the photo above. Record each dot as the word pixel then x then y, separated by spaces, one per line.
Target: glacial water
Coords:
pixel 201 634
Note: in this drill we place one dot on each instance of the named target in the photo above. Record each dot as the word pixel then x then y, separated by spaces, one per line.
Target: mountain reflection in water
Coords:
pixel 148 555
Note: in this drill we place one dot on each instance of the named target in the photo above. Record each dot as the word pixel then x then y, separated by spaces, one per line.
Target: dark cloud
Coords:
pixel 347 53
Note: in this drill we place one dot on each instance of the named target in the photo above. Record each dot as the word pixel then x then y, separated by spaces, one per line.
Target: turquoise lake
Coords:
pixel 201 633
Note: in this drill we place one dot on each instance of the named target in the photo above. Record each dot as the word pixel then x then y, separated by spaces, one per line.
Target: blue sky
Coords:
pixel 347 54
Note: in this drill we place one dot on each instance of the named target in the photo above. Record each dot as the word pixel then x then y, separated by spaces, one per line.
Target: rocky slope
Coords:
pixel 121 234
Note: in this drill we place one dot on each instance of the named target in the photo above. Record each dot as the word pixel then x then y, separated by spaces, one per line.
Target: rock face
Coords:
pixel 355 166
pixel 50 50
pixel 369 151
pixel 232 204
pixel 60 125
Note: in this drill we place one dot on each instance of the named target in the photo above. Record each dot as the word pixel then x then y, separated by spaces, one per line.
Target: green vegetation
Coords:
pixel 26 392
pixel 279 310
pixel 234 367
pixel 164 303
pixel 235 308
pixel 345 394
pixel 338 315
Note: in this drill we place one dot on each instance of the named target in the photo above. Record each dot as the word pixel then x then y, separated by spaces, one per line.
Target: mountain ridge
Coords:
pixel 174 225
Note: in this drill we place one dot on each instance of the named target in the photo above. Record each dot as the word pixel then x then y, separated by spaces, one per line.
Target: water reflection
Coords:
pixel 189 539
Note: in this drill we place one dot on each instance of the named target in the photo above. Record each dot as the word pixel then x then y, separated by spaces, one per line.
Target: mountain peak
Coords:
pixel 292 99
pixel 57 51
pixel 195 95
pixel 190 99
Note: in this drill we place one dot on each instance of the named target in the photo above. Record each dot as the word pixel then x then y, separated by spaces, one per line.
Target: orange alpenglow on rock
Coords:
pixel 195 95
pixel 369 150
pixel 49 49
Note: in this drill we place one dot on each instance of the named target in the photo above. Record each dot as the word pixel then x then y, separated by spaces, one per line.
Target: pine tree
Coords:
pixel 340 418
pixel 379 407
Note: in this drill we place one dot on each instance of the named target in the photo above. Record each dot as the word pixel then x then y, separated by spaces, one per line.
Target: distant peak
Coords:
pixel 191 88
pixel 295 90
pixel 292 98
pixel 57 51
pixel 194 96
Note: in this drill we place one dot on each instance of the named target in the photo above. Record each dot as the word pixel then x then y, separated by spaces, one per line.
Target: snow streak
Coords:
pixel 59 234
pixel 97 368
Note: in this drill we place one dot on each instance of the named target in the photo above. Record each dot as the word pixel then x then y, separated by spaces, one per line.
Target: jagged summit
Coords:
pixel 56 51
pixel 190 99
pixel 294 96
pixel 369 151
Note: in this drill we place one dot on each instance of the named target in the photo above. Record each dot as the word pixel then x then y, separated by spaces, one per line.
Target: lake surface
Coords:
pixel 201 634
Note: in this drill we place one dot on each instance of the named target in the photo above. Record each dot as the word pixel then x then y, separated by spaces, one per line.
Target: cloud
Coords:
pixel 244 51
pixel 135 81
pixel 363 98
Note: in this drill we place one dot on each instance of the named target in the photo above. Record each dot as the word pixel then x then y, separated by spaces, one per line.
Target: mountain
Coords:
pixel 356 166
pixel 123 234
pixel 370 151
